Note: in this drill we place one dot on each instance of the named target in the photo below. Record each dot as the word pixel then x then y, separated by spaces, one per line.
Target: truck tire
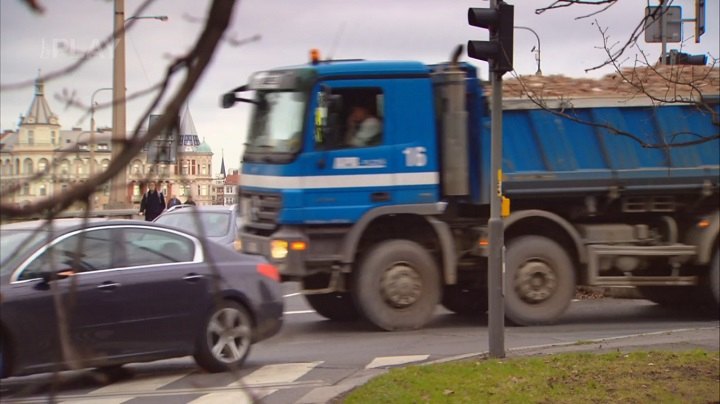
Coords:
pixel 334 306
pixel 466 302
pixel 540 281
pixel 397 286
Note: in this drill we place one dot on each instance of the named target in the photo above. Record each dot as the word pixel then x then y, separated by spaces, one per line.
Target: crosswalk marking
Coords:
pixel 99 400
pixel 383 361
pixel 230 397
pixel 137 384
pixel 255 386
pixel 266 375
pixel 279 373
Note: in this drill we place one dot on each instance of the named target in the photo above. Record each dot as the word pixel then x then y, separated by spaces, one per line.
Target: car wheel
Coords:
pixel 540 281
pixel 225 340
pixel 398 285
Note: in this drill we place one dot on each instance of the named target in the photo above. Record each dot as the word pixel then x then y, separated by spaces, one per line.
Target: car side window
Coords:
pixel 357 120
pixel 146 246
pixel 89 250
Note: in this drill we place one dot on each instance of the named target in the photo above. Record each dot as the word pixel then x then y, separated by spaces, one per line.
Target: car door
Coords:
pixel 163 287
pixel 64 320
pixel 28 310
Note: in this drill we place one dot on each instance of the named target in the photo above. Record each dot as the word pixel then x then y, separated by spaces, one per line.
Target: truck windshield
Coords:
pixel 277 121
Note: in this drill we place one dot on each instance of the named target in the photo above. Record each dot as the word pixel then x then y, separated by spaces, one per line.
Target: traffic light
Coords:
pixel 499 49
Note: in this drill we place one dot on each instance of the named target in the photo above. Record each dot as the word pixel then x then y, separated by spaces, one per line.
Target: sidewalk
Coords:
pixel 674 340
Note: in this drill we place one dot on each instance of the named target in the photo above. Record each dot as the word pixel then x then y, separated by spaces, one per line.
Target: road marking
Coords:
pixel 299 312
pixel 137 384
pixel 293 294
pixel 383 361
pixel 279 373
pixel 230 397
pixel 252 392
pixel 98 400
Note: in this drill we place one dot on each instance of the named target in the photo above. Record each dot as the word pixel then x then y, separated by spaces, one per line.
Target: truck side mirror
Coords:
pixel 228 100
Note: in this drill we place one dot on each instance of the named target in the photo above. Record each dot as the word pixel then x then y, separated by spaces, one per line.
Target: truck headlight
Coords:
pixel 279 249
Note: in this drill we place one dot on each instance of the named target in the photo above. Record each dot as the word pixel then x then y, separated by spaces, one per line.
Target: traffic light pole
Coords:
pixel 496 266
pixel 498 51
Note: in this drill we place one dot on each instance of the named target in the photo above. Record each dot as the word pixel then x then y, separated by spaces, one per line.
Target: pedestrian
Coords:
pixel 152 203
pixel 189 201
pixel 173 202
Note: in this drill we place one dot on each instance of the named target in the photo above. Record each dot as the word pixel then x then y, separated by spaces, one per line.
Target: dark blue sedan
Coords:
pixel 104 293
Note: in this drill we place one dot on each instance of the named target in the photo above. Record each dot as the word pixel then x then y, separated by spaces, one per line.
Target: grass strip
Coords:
pixel 632 377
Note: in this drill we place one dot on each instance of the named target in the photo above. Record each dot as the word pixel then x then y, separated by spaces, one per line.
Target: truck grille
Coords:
pixel 261 210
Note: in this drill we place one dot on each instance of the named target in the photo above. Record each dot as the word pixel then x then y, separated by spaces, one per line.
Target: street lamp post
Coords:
pixel 92 129
pixel 537 54
pixel 118 188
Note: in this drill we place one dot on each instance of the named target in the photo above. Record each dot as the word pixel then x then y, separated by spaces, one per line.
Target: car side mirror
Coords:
pixel 48 276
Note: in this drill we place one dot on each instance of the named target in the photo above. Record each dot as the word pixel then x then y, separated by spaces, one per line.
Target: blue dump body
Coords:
pixel 546 154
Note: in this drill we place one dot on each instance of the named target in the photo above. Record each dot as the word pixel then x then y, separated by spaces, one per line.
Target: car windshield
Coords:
pixel 15 243
pixel 208 224
pixel 277 122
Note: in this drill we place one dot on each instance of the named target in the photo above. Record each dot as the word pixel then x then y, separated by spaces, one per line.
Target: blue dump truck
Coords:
pixel 369 184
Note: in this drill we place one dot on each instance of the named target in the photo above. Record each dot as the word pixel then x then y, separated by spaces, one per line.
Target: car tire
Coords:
pixel 540 281
pixel 225 339
pixel 337 306
pixel 398 285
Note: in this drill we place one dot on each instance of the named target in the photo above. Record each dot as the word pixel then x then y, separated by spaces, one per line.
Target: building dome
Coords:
pixel 203 148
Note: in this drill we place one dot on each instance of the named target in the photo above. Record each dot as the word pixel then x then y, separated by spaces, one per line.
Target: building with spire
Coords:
pixel 40 160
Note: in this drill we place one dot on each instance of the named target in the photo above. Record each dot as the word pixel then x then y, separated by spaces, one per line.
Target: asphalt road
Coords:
pixel 312 358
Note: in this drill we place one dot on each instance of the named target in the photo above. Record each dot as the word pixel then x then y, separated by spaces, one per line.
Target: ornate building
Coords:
pixel 40 159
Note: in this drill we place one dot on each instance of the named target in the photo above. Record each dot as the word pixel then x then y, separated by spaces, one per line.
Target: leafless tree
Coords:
pixel 658 83
pixel 189 66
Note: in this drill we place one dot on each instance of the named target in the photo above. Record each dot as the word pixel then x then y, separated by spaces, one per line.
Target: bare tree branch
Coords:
pixel 193 65
pixel 87 56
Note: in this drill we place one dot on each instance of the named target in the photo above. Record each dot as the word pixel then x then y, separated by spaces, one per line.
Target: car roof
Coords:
pixel 201 208
pixel 66 224
pixel 56 223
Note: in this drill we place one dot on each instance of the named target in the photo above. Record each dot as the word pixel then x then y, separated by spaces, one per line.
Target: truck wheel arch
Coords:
pixel 424 212
pixel 568 229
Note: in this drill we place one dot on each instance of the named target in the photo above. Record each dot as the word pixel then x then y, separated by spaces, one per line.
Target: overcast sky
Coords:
pixel 424 30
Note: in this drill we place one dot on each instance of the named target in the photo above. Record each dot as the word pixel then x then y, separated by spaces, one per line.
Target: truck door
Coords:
pixel 350 162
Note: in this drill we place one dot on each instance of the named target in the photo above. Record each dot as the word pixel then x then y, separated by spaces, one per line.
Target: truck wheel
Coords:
pixel 398 285
pixel 467 302
pixel 540 281
pixel 338 306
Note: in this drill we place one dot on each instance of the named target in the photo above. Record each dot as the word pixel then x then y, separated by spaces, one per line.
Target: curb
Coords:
pixel 610 342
